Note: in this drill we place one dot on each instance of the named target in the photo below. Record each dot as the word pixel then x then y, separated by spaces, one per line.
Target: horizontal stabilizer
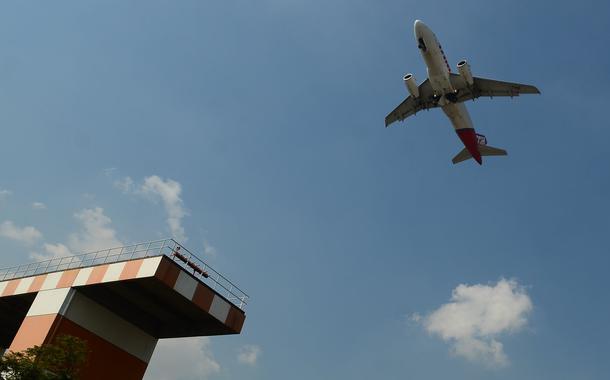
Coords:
pixel 462 156
pixel 485 150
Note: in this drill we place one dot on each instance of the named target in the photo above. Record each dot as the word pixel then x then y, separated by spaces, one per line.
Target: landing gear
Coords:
pixel 452 96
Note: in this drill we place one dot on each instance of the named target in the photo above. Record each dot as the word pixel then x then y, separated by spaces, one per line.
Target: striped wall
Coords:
pixel 84 276
pixel 160 267
pixel 112 340
pixel 201 295
pixel 120 350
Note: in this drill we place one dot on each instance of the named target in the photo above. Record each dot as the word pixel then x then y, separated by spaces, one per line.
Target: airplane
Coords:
pixel 449 91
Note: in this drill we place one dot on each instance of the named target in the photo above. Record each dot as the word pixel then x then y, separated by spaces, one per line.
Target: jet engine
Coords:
pixel 411 85
pixel 464 70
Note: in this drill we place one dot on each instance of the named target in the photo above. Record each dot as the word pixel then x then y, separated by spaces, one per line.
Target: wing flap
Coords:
pixel 410 106
pixel 489 87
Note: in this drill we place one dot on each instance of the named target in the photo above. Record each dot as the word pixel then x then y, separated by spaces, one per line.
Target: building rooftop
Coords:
pixel 166 247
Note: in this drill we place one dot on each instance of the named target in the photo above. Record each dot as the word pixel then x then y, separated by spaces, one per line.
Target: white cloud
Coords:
pixel 52 251
pixel 182 358
pixel 108 172
pixel 169 191
pixel 126 184
pixel 476 316
pixel 248 354
pixel 57 250
pixel 5 194
pixel 209 250
pixel 415 317
pixel 96 232
pixel 26 235
pixel 39 206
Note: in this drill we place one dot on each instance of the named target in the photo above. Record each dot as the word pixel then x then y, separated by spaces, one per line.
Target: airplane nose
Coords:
pixel 418 27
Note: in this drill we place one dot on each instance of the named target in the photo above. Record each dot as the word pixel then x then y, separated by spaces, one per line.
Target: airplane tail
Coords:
pixel 485 150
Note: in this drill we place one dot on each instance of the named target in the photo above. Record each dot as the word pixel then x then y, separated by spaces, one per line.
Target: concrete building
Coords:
pixel 121 301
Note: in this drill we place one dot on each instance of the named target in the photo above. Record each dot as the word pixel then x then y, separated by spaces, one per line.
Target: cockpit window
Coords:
pixel 421 44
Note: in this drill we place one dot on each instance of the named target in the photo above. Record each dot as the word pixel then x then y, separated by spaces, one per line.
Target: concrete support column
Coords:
pixel 118 349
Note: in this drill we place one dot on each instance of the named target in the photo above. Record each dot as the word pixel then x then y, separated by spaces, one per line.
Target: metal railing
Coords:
pixel 168 247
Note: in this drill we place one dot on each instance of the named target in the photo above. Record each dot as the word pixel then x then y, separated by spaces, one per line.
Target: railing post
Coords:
pixel 147 249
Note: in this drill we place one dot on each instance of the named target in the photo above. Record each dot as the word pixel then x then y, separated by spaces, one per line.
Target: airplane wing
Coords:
pixel 488 87
pixel 410 106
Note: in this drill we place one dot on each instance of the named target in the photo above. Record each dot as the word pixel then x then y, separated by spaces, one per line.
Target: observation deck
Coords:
pixel 121 300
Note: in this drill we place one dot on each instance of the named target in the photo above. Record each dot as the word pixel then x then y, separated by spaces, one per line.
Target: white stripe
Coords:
pixel 82 276
pixel 220 308
pixel 149 267
pixel 24 285
pixel 51 281
pixel 113 272
pixel 185 285
pixel 3 286
pixel 110 327
pixel 50 302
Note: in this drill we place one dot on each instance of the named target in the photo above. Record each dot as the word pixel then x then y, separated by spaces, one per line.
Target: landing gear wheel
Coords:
pixel 452 96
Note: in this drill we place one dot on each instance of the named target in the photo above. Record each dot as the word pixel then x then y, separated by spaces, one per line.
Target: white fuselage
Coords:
pixel 439 76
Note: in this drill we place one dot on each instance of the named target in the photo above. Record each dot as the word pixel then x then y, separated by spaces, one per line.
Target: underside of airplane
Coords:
pixel 449 91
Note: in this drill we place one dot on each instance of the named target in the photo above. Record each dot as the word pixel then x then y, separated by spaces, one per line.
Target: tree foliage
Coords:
pixel 61 360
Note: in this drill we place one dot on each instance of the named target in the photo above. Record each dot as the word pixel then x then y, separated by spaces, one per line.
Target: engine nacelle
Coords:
pixel 464 70
pixel 411 85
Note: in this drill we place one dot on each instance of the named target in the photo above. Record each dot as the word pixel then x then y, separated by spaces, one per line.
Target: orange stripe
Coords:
pixel 131 269
pixel 97 274
pixel 37 283
pixel 106 361
pixel 10 287
pixel 67 279
pixel 34 331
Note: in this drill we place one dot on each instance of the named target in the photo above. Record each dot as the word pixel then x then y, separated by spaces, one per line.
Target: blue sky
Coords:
pixel 269 117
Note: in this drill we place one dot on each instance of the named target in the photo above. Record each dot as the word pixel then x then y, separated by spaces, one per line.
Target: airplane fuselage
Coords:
pixel 439 75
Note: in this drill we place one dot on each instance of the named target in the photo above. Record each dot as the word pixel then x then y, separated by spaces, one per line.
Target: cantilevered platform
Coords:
pixel 121 301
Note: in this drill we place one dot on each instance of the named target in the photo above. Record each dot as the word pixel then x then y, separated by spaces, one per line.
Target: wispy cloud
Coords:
pixel 476 317
pixel 51 251
pixel 96 232
pixel 168 191
pixel 5 194
pixel 57 250
pixel 126 185
pixel 26 235
pixel 109 172
pixel 183 358
pixel 248 354
pixel 39 206
pixel 209 250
